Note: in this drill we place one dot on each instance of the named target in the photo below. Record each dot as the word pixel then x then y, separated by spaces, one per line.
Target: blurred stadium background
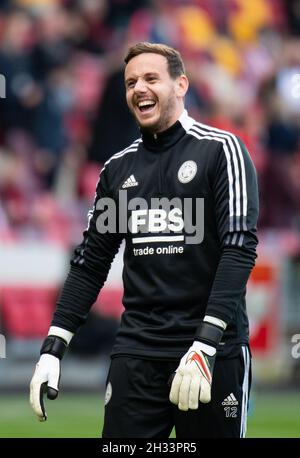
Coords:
pixel 63 113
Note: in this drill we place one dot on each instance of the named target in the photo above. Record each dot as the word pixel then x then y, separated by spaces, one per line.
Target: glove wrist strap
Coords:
pixel 209 334
pixel 55 346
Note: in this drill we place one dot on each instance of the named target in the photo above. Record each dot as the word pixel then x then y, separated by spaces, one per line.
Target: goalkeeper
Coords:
pixel 188 194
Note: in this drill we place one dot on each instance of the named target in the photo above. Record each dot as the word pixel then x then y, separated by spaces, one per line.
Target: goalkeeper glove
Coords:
pixel 193 377
pixel 47 372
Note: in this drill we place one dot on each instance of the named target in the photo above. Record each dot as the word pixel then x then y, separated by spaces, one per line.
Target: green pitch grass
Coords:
pixel 273 415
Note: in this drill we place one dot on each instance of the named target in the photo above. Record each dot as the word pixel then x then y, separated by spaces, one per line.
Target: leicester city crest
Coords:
pixel 187 171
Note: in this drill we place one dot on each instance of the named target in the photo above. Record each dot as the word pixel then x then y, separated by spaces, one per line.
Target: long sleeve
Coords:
pixel 236 205
pixel 89 266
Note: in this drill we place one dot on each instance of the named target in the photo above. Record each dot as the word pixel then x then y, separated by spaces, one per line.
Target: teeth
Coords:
pixel 145 103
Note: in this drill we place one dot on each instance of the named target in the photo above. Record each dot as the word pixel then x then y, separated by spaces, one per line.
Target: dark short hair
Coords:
pixel 175 63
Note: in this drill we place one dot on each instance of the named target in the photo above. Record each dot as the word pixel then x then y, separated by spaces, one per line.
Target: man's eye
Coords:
pixel 130 84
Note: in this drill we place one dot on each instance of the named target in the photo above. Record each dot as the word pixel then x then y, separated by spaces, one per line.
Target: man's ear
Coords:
pixel 182 85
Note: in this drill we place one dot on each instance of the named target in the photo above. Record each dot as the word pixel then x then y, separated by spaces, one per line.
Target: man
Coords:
pixel 188 195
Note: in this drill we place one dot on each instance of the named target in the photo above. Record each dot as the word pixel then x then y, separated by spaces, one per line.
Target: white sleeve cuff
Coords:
pixel 215 321
pixel 60 332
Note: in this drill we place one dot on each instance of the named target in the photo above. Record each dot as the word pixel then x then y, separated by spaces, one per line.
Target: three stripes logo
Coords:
pixel 131 181
pixel 230 400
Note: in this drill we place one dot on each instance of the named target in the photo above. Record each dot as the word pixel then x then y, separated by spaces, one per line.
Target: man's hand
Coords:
pixel 45 379
pixel 193 377
pixel 47 372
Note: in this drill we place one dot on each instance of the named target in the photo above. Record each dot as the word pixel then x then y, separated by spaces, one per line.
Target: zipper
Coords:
pixel 159 177
pixel 160 186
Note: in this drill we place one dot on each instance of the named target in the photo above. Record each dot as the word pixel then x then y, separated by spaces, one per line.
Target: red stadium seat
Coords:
pixel 27 311
pixel 109 303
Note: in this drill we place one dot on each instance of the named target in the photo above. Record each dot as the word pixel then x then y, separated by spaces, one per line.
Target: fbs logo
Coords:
pixel 157 220
pixel 230 400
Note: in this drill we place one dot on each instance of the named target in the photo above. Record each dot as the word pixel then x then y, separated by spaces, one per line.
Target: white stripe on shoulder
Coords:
pixel 229 169
pixel 233 153
pixel 237 147
pixel 133 147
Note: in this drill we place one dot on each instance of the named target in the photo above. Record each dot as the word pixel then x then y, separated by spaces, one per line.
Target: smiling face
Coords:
pixel 154 98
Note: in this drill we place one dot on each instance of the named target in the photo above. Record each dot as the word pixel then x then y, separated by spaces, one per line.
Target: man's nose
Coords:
pixel 140 86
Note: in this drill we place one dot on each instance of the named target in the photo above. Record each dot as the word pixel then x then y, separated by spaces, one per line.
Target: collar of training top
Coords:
pixel 163 140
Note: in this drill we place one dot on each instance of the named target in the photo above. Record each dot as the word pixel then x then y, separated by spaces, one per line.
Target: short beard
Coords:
pixel 163 123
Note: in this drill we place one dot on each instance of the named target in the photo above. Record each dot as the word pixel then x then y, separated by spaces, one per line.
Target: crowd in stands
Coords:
pixel 64 112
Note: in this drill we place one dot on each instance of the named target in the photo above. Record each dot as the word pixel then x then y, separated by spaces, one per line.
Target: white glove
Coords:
pixel 45 379
pixel 47 372
pixel 193 377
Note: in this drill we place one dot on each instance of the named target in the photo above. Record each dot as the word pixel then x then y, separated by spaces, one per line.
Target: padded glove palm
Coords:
pixel 193 377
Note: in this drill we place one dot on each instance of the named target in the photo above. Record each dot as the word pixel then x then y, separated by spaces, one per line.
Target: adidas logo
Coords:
pixel 131 181
pixel 230 401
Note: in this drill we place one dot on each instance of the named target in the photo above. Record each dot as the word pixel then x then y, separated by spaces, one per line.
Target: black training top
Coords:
pixel 190 240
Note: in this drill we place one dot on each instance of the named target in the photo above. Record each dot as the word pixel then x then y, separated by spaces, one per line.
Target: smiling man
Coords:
pixel 181 356
pixel 155 89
